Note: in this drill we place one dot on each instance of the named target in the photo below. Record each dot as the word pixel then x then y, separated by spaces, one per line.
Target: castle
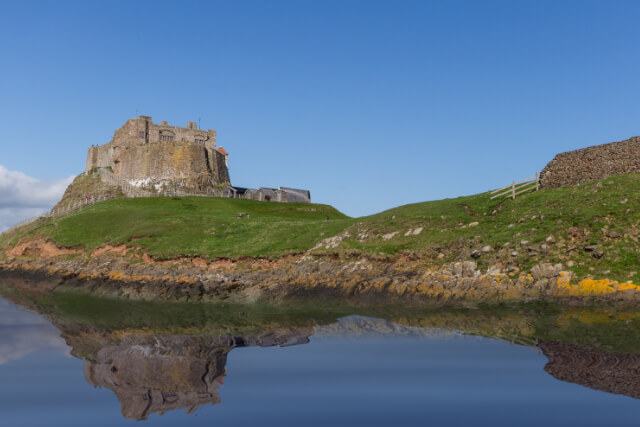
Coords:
pixel 161 159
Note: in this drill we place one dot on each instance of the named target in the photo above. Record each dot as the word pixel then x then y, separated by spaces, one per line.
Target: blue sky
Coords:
pixel 369 104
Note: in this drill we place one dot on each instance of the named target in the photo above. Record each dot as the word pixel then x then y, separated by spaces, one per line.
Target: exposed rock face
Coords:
pixel 591 163
pixel 301 277
pixel 163 157
pixel 597 369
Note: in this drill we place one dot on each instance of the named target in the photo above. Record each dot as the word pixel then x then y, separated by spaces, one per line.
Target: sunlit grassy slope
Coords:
pixel 171 227
pixel 594 227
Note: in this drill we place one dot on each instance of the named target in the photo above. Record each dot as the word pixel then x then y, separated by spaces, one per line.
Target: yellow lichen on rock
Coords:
pixel 590 287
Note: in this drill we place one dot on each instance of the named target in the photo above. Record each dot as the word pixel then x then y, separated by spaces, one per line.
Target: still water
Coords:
pixel 356 370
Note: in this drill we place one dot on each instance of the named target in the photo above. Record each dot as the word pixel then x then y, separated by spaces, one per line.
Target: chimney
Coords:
pixel 192 125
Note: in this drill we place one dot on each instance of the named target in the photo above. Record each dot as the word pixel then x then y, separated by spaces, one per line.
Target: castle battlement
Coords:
pixel 144 130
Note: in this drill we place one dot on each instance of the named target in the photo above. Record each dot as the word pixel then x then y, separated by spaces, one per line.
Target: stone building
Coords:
pixel 295 195
pixel 160 157
pixel 264 194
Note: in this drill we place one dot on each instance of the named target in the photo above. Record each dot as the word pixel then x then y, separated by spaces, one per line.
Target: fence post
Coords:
pixel 537 181
pixel 513 190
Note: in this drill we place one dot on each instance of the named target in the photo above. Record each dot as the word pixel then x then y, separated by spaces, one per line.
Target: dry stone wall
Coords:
pixel 591 163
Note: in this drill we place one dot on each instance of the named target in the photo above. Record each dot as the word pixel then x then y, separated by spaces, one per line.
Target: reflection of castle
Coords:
pixel 160 373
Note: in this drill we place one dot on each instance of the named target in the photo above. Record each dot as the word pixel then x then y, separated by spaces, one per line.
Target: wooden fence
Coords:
pixel 531 183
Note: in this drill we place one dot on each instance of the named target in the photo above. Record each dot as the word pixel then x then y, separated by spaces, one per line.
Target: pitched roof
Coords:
pixel 306 194
pixel 222 151
pixel 267 191
pixel 240 190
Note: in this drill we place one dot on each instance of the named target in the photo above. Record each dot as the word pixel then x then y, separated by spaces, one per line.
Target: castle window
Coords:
pixel 201 141
pixel 166 137
pixel 141 134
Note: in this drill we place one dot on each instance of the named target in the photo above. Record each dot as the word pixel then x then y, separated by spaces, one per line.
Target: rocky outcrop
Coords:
pixel 592 163
pixel 362 280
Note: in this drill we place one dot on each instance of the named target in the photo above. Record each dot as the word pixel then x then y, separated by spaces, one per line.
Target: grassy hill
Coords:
pixel 187 226
pixel 591 228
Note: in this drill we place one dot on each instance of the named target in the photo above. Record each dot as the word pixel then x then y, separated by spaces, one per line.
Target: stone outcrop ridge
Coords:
pixel 592 163
pixel 598 369
pixel 163 158
pixel 305 276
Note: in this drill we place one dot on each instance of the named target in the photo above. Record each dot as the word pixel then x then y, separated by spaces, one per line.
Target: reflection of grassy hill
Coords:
pixel 591 228
pixel 593 327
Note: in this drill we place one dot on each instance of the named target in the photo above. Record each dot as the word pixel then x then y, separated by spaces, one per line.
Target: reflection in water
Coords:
pixel 182 364
pixel 597 369
pixel 23 332
pixel 158 373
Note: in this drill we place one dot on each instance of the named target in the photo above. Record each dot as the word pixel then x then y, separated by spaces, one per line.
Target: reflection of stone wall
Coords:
pixel 591 163
pixel 159 373
pixel 597 369
pixel 148 378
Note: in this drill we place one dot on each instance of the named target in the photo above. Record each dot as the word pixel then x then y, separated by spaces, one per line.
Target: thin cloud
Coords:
pixel 22 196
pixel 23 333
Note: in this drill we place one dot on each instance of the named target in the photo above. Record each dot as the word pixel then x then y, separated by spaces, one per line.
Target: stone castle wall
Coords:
pixel 100 156
pixel 219 166
pixel 162 156
pixel 591 163
pixel 161 160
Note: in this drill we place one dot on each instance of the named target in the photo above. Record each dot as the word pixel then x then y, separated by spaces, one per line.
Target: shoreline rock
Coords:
pixel 302 276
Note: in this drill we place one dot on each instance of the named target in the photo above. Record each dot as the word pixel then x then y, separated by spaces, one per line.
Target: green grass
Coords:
pixel 173 227
pixel 574 217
